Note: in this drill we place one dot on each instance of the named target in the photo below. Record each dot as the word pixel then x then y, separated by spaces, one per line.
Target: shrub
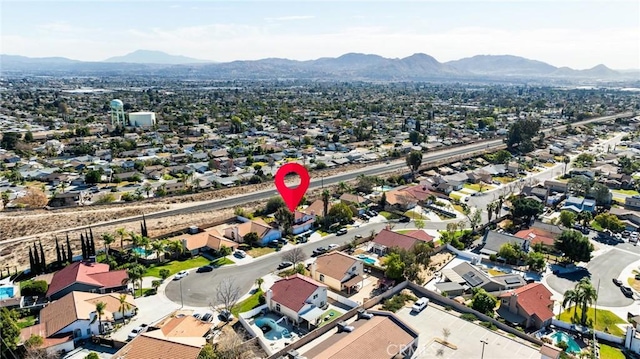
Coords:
pixel 562 345
pixel 469 317
pixel 34 288
pixel 262 300
pixel 92 355
pixel 489 325
pixel 396 302
pixel 448 308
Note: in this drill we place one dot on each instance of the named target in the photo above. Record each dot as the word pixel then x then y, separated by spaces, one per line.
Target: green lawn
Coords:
pixel 455 196
pixel 628 192
pixel 595 225
pixel 176 266
pixel 389 215
pixel 504 180
pixel 260 251
pixel 609 352
pixel 221 261
pixel 476 187
pixel 414 215
pixel 247 304
pixel 605 320
pixel 329 316
pixel 26 321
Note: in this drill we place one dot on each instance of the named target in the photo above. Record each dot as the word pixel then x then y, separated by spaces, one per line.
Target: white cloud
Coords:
pixel 290 18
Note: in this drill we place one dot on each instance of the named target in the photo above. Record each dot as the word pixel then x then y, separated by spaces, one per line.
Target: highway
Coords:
pixel 317 182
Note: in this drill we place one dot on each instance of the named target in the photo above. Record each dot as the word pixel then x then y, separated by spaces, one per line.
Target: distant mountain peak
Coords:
pixel 155 57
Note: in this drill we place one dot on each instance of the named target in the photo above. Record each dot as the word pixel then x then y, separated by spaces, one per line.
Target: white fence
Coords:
pixel 244 318
pixel 599 334
pixel 253 312
pixel 464 254
pixel 338 298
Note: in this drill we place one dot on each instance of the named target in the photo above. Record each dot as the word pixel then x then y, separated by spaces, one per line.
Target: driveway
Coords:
pixel 602 269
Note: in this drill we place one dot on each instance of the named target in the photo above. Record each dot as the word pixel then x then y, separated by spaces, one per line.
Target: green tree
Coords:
pixel 273 204
pixel 526 208
pixel 579 186
pixel 521 133
pixel 259 282
pixel 123 304
pixel 567 218
pixel 100 307
pixel 107 239
pixel 341 212
pixel 582 295
pixel 415 137
pixel 5 199
pixel 484 302
pixel 511 252
pixel 584 160
pixel 28 136
pixel 585 217
pixel 609 221
pixel 121 232
pixel 536 262
pixel 251 239
pixel 325 202
pixel 135 274
pixel 285 220
pixel 394 266
pixel 92 355
pixel 164 273
pixel 601 194
pixel 93 176
pixel 574 245
pixel 414 160
pixel 10 140
pixel 155 284
pixel 34 341
pixel 9 330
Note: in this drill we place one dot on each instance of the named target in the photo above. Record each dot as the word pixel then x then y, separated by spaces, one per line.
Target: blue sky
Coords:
pixel 579 34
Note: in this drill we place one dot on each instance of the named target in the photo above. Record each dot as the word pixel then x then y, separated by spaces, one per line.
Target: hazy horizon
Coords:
pixel 579 35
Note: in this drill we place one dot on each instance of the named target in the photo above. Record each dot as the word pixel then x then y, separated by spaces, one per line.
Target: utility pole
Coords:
pixel 484 342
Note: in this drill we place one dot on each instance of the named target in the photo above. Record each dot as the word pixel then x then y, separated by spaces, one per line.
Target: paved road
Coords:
pixel 602 269
pixel 198 289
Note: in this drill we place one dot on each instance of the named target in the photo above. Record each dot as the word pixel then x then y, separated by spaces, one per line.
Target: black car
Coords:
pixel 225 315
pixel 204 269
pixel 207 317
pixel 617 282
pixel 405 220
pixel 319 251
pixel 341 232
pixel 284 264
pixel 628 292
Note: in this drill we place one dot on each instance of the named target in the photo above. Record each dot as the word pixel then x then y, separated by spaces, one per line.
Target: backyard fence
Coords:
pixel 338 298
pixel 599 334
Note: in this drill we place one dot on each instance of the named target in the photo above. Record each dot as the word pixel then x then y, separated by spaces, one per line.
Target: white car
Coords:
pixel 419 305
pixel 332 246
pixel 136 331
pixel 181 274
pixel 240 253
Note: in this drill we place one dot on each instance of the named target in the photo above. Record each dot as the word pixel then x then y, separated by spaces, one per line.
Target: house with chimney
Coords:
pixel 339 271
pixel 529 306
pixel 299 298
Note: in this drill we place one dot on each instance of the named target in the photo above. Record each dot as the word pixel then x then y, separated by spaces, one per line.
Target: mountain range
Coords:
pixel 351 66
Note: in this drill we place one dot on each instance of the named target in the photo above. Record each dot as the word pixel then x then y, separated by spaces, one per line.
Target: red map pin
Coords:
pixel 292 196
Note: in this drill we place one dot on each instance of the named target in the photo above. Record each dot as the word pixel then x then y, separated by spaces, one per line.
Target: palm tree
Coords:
pixel 107 239
pixel 571 297
pixel 147 188
pixel 135 274
pixel 155 284
pixel 588 296
pixel 121 232
pixel 144 243
pixel 176 247
pixel 585 217
pixel 259 282
pixel 136 240
pixel 124 305
pixel 566 161
pixel 343 187
pixel 325 202
pixel 100 306
pixel 158 247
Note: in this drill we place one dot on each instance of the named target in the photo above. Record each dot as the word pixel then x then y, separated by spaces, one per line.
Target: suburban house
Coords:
pixel 632 202
pixel 555 186
pixel 316 208
pixel 630 218
pixel 265 232
pixel 387 239
pixel 530 306
pixel 400 200
pixel 493 241
pixel 86 277
pixel 186 328
pixel 211 239
pixel 339 271
pixel 72 317
pixel 541 193
pixel 145 346
pixel 382 336
pixel 464 277
pixel 579 204
pixel 64 199
pixel 353 200
pixel 537 235
pixel 299 298
pixel 302 222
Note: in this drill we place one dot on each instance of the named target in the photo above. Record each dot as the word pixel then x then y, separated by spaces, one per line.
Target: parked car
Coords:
pixel 197 315
pixel 207 317
pixel 357 236
pixel 204 269
pixel 181 274
pixel 332 246
pixel 405 219
pixel 419 305
pixel 240 253
pixel 136 331
pixel 341 231
pixel 617 282
pixel 284 264
pixel 319 250
pixel 627 291
pixel 225 316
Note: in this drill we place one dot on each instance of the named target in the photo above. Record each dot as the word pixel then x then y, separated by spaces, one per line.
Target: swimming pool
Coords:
pixel 141 252
pixel 271 329
pixel 564 337
pixel 366 259
pixel 6 292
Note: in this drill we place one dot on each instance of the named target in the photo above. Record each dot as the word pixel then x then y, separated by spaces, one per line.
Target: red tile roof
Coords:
pixel 534 298
pixel 94 274
pixel 292 292
pixel 536 235
pixel 421 193
pixel 421 235
pixel 392 239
